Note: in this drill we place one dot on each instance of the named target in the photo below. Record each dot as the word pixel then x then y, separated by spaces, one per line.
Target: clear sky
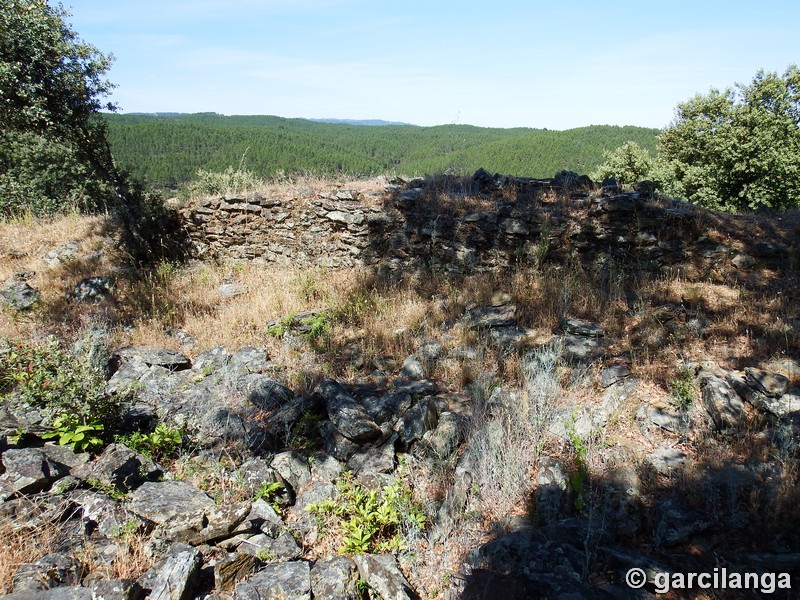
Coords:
pixel 507 63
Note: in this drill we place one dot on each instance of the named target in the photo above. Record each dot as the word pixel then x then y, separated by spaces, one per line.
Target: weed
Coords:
pixel 81 436
pixel 684 389
pixel 371 521
pixel 163 442
pixel 106 488
pixel 269 492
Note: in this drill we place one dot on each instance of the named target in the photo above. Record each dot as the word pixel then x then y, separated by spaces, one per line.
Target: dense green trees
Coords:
pixel 167 150
pixel 739 149
pixel 54 152
pixel 735 150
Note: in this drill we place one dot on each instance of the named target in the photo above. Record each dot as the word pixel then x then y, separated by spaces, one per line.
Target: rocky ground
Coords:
pixel 556 461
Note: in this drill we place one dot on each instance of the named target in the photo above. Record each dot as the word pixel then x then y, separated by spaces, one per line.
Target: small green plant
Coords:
pixel 280 328
pixel 106 488
pixel 370 520
pixel 163 442
pixel 579 474
pixel 266 555
pixel 684 389
pixel 80 436
pixel 269 492
pixel 319 328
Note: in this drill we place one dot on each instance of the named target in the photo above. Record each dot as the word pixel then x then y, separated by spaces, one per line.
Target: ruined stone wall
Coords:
pixel 499 225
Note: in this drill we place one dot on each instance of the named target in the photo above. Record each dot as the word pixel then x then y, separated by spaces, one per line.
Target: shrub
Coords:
pixel 218 183
pixel 739 149
pixel 65 386
pixel 370 521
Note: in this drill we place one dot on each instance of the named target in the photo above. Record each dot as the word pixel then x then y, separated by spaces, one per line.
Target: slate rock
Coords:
pixel 677 524
pixel 666 460
pixel 30 470
pixel 20 295
pixel 335 578
pixel 52 570
pixel 773 385
pixel 176 576
pixel 92 289
pixel 722 403
pixel 207 524
pixel 349 417
pixel 487 317
pixel 443 441
pixel 552 492
pixel 120 467
pixel 422 417
pixel 170 359
pixel 233 569
pixel 162 501
pixel 383 576
pixel 280 581
pixel 293 467
pixel 231 290
pixel 581 327
pixel 100 513
pixel 63 253
pixel 581 349
pixel 265 393
pixel 387 408
pixel 662 417
pixel 612 375
pixel 412 368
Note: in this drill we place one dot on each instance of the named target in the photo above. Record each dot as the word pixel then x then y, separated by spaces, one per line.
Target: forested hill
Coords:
pixel 168 149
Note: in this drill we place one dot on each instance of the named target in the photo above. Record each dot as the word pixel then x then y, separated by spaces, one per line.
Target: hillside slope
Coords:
pixel 166 150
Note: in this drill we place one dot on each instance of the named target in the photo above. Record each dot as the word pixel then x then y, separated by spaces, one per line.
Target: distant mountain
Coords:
pixel 366 122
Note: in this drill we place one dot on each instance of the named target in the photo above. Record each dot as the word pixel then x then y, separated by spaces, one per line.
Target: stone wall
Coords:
pixel 501 221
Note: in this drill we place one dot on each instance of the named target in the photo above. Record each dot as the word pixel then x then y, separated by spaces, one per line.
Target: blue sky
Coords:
pixel 496 64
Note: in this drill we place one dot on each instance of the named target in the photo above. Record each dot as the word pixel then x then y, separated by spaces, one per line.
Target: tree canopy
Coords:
pixel 55 152
pixel 739 149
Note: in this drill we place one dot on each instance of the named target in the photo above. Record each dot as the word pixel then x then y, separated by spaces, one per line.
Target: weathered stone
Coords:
pixel 20 295
pixel 152 356
pixel 120 467
pixel 92 289
pixel 63 253
pixel 231 290
pixel 29 470
pixel 412 368
pixel 349 417
pixel 770 384
pixel 293 467
pixel 162 501
pixel 423 417
pixel 281 581
pixel 265 393
pixel 176 576
pixel 581 327
pixel 611 375
pixel 335 578
pixel 486 317
pixel 383 576
pixel 233 569
pixel 552 490
pixel 666 460
pixel 743 261
pixel 722 403
pixel 52 570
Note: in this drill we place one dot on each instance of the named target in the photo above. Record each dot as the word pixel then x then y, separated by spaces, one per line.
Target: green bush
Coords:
pixel 163 442
pixel 64 385
pixel 42 177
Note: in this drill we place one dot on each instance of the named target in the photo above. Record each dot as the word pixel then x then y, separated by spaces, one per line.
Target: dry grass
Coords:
pixel 22 545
